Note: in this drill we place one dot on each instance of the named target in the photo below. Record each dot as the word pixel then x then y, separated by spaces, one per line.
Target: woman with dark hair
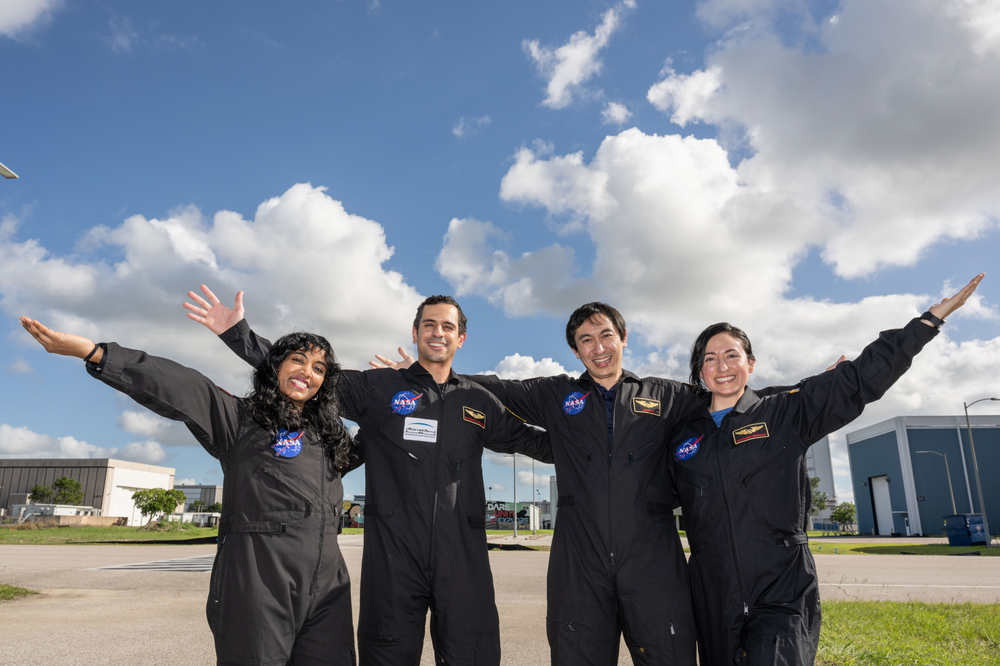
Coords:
pixel 739 469
pixel 279 592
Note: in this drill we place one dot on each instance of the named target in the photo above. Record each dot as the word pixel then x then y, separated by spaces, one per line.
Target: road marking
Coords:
pixel 197 564
pixel 974 587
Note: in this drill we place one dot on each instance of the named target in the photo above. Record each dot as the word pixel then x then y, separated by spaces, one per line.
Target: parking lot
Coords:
pixel 97 607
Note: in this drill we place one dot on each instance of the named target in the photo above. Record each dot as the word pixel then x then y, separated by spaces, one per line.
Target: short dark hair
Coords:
pixel 589 311
pixel 701 342
pixel 438 300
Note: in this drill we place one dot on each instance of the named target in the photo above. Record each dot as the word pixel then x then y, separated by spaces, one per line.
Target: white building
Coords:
pixel 107 483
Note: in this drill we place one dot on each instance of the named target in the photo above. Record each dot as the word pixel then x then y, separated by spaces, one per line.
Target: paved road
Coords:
pixel 89 614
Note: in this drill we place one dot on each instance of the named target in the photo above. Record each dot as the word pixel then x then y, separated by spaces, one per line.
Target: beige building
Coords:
pixel 107 483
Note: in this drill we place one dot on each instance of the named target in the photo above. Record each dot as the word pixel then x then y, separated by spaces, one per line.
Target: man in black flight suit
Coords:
pixel 424 428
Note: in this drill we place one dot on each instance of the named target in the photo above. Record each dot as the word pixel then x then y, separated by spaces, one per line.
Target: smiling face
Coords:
pixel 301 374
pixel 725 370
pixel 599 346
pixel 437 337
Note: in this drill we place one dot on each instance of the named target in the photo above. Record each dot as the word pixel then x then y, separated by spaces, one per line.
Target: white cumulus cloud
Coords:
pixel 19 442
pixel 568 67
pixel 615 114
pixel 526 367
pixel 18 17
pixel 303 260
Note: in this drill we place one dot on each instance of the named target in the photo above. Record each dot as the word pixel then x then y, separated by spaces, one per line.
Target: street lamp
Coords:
pixel 534 507
pixel 975 468
pixel 514 456
pixel 7 173
pixel 491 493
pixel 946 471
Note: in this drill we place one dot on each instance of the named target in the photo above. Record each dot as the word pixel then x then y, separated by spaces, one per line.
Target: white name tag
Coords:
pixel 420 430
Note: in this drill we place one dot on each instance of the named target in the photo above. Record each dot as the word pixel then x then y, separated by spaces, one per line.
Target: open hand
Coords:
pixel 395 365
pixel 949 305
pixel 55 342
pixel 212 314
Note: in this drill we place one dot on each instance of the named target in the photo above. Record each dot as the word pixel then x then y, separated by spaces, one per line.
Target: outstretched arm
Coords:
pixel 212 314
pixel 164 387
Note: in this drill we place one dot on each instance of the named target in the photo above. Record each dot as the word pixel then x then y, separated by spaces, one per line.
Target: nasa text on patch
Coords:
pixel 752 431
pixel 688 448
pixel 287 444
pixel 405 402
pixel 474 416
pixel 646 406
pixel 574 402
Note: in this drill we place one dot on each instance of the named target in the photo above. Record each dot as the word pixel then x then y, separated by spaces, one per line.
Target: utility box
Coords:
pixel 965 529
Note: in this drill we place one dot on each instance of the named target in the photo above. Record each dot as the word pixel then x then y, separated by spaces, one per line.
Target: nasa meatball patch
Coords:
pixel 574 402
pixel 287 444
pixel 688 448
pixel 405 402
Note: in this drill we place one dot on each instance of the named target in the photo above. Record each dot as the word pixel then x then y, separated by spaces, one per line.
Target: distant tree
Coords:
pixel 819 497
pixel 843 514
pixel 214 508
pixel 41 494
pixel 157 501
pixel 67 491
pixel 197 506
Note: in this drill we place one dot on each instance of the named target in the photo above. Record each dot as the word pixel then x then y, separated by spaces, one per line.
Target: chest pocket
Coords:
pixel 466 466
pixel 392 465
pixel 650 466
pixel 701 503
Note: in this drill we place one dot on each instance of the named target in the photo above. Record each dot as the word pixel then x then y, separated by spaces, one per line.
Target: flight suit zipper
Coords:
pixel 437 463
pixel 611 515
pixel 322 515
pixel 729 513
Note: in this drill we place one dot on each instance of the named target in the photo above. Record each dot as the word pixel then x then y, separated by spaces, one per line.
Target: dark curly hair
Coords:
pixel 272 410
pixel 698 348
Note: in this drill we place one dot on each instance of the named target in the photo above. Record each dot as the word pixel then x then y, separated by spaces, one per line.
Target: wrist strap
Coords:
pixel 91 354
pixel 936 321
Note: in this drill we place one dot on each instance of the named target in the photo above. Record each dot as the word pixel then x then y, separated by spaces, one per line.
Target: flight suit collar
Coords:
pixel 585 379
pixel 418 370
pixel 743 405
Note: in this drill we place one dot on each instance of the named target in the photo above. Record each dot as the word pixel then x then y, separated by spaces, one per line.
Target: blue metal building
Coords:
pixel 900 470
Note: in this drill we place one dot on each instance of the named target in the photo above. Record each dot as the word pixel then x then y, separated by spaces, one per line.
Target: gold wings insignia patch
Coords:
pixel 752 431
pixel 474 416
pixel 646 406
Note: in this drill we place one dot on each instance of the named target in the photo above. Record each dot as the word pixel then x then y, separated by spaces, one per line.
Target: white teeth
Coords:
pixel 299 383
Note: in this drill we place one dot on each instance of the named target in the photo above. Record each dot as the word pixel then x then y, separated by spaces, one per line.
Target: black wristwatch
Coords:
pixel 935 321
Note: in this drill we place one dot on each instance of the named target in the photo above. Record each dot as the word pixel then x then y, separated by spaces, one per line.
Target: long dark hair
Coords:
pixel 698 348
pixel 272 410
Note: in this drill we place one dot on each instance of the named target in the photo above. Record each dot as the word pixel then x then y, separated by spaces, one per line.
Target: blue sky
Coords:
pixel 813 172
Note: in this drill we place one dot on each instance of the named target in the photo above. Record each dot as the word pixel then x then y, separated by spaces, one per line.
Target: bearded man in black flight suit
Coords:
pixel 425 428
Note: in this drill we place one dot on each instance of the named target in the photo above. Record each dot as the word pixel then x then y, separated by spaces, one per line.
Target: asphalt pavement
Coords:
pixel 97 607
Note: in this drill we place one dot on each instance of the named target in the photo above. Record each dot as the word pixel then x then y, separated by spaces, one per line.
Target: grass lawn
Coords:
pixel 887 633
pixel 64 535
pixel 847 548
pixel 8 592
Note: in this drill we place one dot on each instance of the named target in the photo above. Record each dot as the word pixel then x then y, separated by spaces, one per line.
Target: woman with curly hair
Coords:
pixel 279 592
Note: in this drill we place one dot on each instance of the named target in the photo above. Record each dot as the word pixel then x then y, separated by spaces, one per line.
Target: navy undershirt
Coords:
pixel 609 408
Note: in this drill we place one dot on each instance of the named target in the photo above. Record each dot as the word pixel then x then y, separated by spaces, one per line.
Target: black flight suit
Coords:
pixel 279 592
pixel 746 498
pixel 616 566
pixel 425 508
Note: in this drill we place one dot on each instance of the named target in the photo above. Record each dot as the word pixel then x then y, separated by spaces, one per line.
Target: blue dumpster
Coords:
pixel 965 529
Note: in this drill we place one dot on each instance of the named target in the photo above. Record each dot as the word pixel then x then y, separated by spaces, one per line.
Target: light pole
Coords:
pixel 491 493
pixel 975 468
pixel 946 471
pixel 514 456
pixel 534 507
